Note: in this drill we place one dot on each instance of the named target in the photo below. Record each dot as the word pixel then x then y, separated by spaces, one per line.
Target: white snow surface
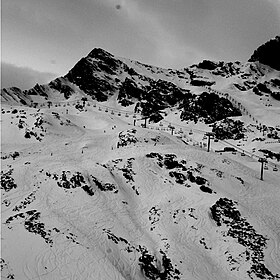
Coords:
pixel 126 201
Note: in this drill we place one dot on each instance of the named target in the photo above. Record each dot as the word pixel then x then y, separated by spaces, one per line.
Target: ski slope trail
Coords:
pixel 85 195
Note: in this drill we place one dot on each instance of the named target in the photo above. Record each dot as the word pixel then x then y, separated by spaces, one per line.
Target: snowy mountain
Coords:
pixel 121 170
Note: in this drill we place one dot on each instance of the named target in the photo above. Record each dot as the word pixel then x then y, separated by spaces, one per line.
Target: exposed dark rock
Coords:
pixel 180 178
pixel 129 90
pixel 200 82
pixel 154 155
pixel 104 186
pixel 180 171
pixel 7 181
pixel 36 90
pixel 205 189
pixel 268 53
pixel 13 155
pixel 200 181
pixel 229 129
pixel 32 224
pixel 227 69
pixel 88 190
pixel 75 181
pixel 170 162
pixel 208 107
pixel 106 61
pixel 127 137
pixel 276 95
pixel 155 117
pixel 82 74
pixel 23 204
pixel 224 213
pixel 128 171
pixel 148 264
pixel 207 64
pixel 58 85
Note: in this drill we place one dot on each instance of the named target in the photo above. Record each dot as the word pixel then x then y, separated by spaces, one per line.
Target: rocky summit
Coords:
pixel 268 53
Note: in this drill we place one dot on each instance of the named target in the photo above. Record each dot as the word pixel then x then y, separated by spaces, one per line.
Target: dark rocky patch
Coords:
pixel 219 173
pixel 268 53
pixel 196 179
pixel 13 155
pixel 6 271
pixel 207 107
pixel 207 65
pixel 7 181
pixel 70 236
pixel 241 87
pixel 203 242
pixel 83 75
pixel 240 179
pixel 155 155
pixel 157 96
pixel 206 189
pixel 6 202
pixel 60 85
pixel 129 90
pixel 128 171
pixel 104 186
pixel 227 69
pixel 23 204
pixel 201 82
pixel 179 177
pixel 76 181
pixel 224 212
pixel 149 266
pixel 168 161
pixel 200 181
pixel 126 138
pixel 37 130
pixel 128 247
pixel 36 90
pixel 229 129
pixel 88 190
pixel 154 216
pixel 32 224
pixel 128 174
pixel 68 182
pixel 261 88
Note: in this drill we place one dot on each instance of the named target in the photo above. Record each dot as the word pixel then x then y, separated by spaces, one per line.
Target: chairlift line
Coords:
pixel 134 114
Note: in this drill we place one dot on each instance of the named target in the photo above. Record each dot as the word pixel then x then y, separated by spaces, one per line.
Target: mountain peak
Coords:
pixel 268 53
pixel 99 53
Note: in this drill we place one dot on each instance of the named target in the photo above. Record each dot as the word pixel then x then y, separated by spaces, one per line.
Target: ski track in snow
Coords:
pixel 96 233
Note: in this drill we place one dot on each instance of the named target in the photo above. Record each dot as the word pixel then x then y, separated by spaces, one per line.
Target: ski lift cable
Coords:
pixel 72 102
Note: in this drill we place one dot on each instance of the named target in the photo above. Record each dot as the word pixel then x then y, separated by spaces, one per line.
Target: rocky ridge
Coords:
pixel 101 76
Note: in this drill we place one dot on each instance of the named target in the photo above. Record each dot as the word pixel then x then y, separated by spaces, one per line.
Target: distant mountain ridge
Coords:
pixel 100 76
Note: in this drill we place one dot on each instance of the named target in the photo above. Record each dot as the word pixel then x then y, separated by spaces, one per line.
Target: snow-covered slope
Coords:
pixel 87 195
pixel 106 174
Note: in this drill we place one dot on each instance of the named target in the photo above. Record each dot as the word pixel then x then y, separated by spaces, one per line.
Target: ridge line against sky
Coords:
pixel 51 36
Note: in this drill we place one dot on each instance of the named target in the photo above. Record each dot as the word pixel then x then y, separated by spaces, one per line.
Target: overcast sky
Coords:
pixel 45 38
